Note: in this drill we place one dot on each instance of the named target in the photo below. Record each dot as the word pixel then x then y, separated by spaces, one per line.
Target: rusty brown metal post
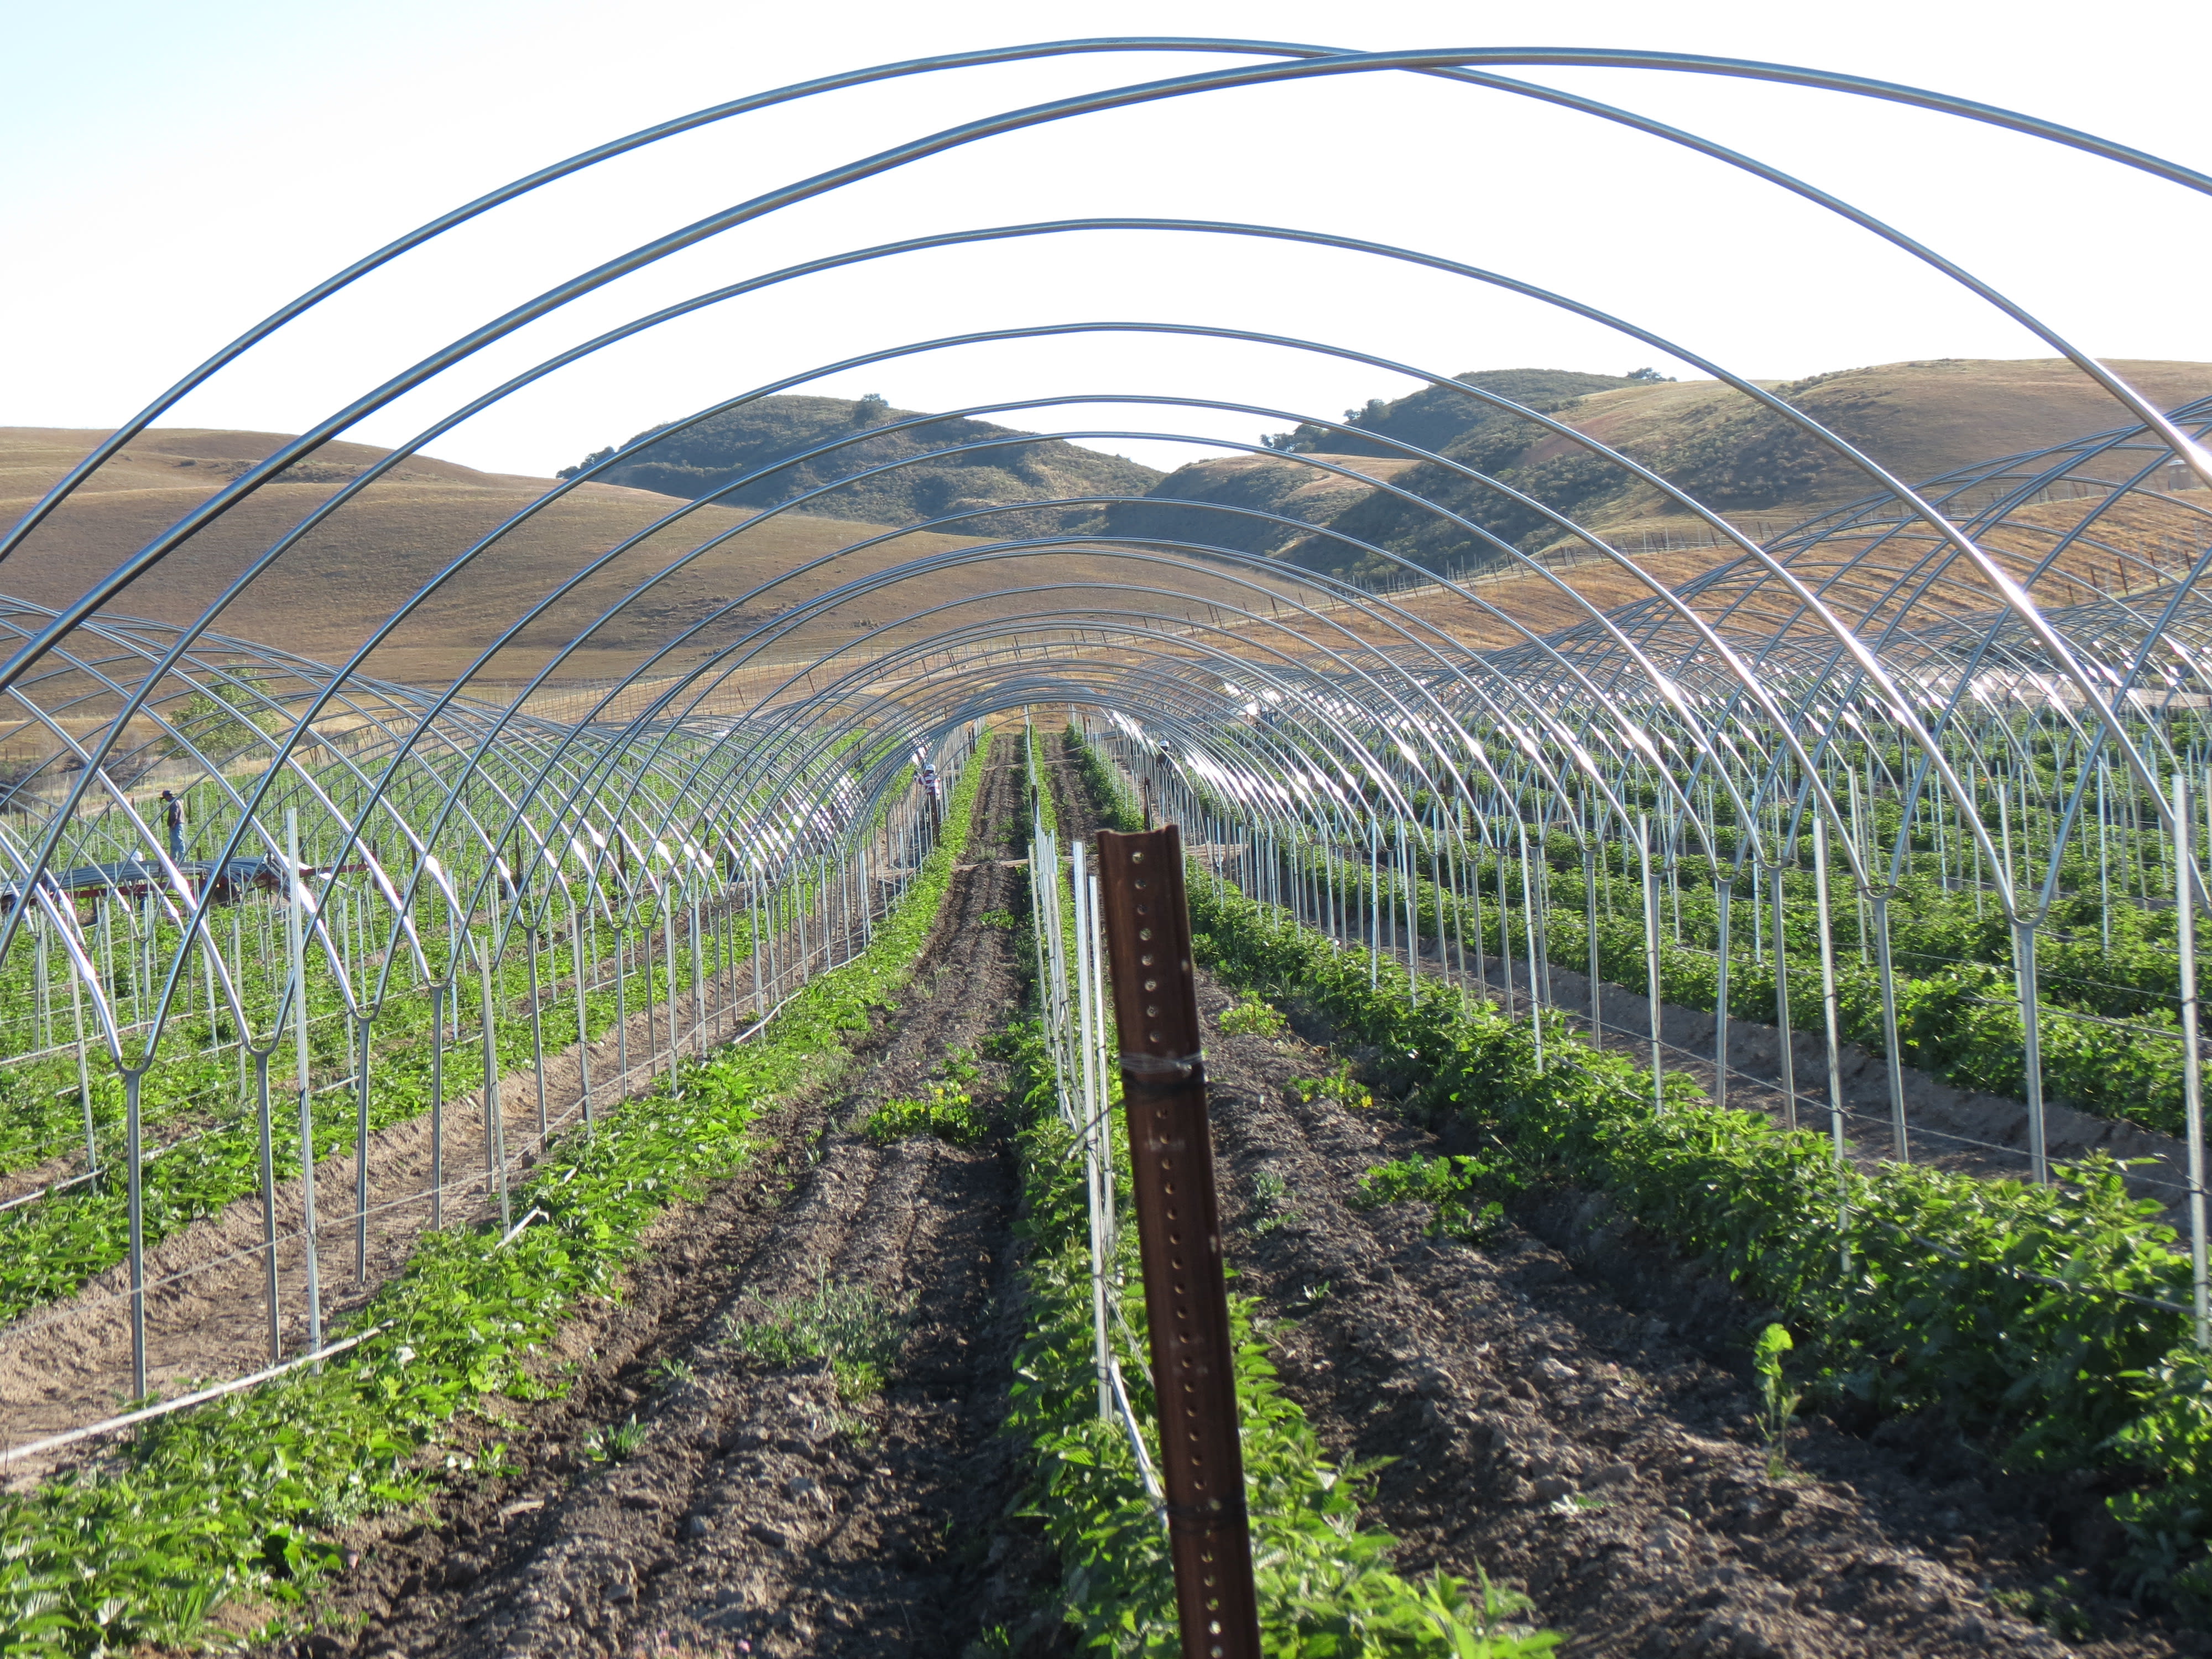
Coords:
pixel 1179 1239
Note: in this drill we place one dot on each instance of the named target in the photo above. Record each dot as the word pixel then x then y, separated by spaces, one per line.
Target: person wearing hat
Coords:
pixel 172 820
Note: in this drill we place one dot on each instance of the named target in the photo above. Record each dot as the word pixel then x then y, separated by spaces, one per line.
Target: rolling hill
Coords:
pixel 1918 419
pixel 324 595
pixel 1009 466
pixel 348 575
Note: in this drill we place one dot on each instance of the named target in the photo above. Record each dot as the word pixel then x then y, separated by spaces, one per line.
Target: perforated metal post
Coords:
pixel 1179 1239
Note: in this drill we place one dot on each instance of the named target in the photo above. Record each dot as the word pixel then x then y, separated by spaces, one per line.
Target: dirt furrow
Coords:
pixel 771 1502
pixel 207 1314
pixel 1582 1420
pixel 1543 1431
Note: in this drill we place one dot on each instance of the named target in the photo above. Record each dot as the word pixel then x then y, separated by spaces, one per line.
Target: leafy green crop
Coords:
pixel 946 1112
pixel 1957 1007
pixel 232 1501
pixel 1251 1017
pixel 1778 1402
pixel 2045 1319
pixel 1340 1085
pixel 1454 1186
pixel 1325 1585
pixel 850 1326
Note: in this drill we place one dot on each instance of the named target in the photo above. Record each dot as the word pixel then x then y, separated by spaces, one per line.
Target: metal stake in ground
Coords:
pixel 1179 1239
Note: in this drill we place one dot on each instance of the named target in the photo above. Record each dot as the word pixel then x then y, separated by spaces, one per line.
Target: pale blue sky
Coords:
pixel 174 171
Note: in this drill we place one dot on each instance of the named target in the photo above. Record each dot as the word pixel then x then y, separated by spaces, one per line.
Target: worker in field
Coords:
pixel 172 820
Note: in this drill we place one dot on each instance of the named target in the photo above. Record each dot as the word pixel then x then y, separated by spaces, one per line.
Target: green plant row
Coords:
pixel 2025 1316
pixel 1325 1583
pixel 1960 1023
pixel 233 1501
pixel 49 1249
pixel 40 1115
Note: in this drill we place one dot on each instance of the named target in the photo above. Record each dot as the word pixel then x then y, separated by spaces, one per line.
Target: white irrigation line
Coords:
pixel 200 1398
pixel 54 1187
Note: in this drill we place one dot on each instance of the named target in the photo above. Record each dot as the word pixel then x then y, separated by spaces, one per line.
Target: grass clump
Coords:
pixel 1455 1185
pixel 617 1443
pixel 1269 1207
pixel 1340 1085
pixel 947 1111
pixel 853 1327
pixel 1252 1017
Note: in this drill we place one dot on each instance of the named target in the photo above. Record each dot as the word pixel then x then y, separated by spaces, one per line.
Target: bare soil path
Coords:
pixel 761 1503
pixel 207 1304
pixel 1570 1406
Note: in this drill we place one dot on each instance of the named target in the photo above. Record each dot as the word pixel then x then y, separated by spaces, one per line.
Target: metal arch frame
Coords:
pixel 1658 690
pixel 1310 64
pixel 1310 60
pixel 1425 61
pixel 1695 507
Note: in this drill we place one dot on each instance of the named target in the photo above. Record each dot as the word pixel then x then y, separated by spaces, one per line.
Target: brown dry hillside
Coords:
pixel 946 465
pixel 1918 419
pixel 324 595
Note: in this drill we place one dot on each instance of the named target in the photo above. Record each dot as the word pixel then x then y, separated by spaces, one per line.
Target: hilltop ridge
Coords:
pixel 996 464
pixel 1917 419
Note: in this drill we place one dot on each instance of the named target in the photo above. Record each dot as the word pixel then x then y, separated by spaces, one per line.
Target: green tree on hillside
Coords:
pixel 222 722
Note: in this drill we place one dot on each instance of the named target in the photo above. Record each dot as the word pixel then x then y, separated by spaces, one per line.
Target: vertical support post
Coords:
pixel 2023 957
pixel 2192 1069
pixel 1413 906
pixel 1529 926
pixel 1788 1047
pixel 668 909
pixel 1179 1239
pixel 699 962
pixel 1374 904
pixel 1097 945
pixel 437 1099
pixel 268 1199
pixel 84 1071
pixel 752 914
pixel 1589 905
pixel 1095 1171
pixel 1900 1145
pixel 1726 885
pixel 1652 957
pixel 296 945
pixel 42 1020
pixel 1830 1013
pixel 536 1037
pixel 361 1159
pixel 133 1157
pixel 494 1126
pixel 1505 924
